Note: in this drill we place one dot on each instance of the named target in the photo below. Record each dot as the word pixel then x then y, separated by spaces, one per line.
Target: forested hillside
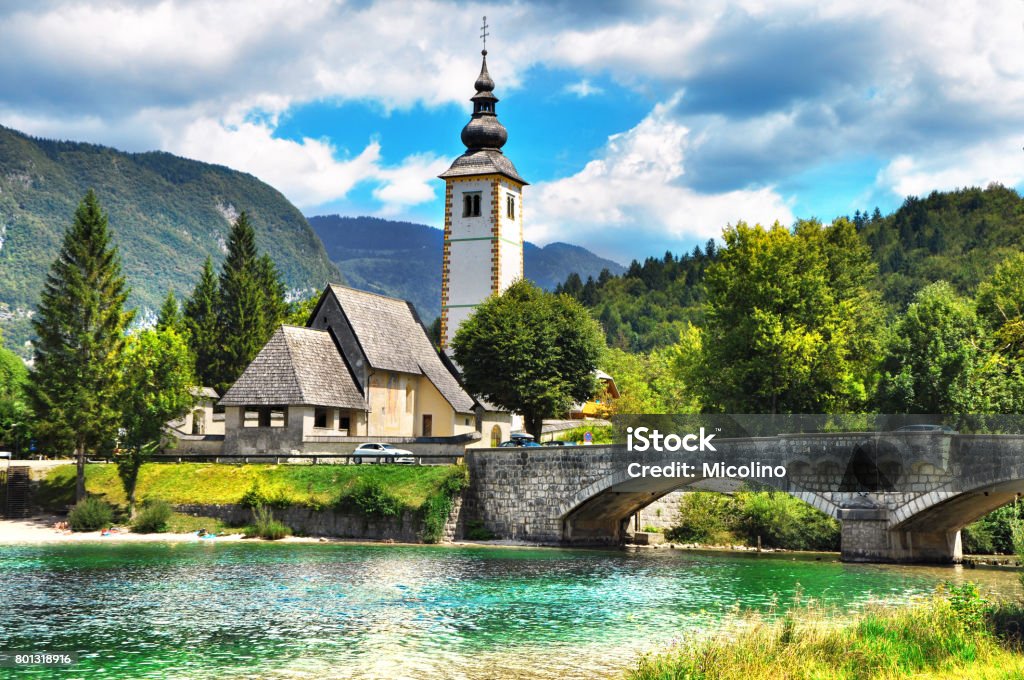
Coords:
pixel 166 215
pixel 403 259
pixel 957 236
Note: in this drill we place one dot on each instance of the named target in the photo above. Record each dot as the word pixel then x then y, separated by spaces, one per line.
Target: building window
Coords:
pixel 320 417
pixel 495 436
pixel 471 204
pixel 510 206
pixel 428 425
pixel 344 424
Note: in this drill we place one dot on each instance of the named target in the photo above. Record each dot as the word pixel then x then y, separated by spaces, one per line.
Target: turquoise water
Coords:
pixel 244 610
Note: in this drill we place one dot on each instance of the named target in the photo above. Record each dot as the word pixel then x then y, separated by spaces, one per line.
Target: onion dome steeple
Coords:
pixel 484 131
pixel 483 135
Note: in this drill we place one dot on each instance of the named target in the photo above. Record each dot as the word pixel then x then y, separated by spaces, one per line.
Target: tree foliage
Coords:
pixel 81 329
pixel 15 414
pixel 790 324
pixel 200 321
pixel 157 382
pixel 250 304
pixel 530 351
pixel 936 355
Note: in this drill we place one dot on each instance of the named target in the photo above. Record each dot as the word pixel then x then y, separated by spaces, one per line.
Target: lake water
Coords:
pixel 262 610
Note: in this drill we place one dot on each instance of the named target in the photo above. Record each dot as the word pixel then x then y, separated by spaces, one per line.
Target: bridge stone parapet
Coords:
pixel 901 496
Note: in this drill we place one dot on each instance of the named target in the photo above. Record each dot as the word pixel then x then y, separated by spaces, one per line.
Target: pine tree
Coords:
pixel 250 306
pixel 200 320
pixel 81 325
pixel 169 316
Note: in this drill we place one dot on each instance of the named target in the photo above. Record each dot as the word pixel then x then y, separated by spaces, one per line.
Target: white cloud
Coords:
pixel 584 88
pixel 410 183
pixel 307 172
pixel 784 85
pixel 635 186
pixel 1001 161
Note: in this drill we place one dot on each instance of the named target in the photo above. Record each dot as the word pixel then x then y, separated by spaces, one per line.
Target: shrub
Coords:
pixel 704 517
pixel 370 497
pixel 90 513
pixel 152 518
pixel 438 507
pixel 256 496
pixel 265 526
pixel 992 534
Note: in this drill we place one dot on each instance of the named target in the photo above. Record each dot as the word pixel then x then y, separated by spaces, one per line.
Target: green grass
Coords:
pixel 186 524
pixel 951 635
pixel 315 486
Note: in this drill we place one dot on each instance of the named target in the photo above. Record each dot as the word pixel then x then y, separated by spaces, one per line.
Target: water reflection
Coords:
pixel 323 611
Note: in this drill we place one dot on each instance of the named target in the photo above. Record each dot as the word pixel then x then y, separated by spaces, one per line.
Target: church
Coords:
pixel 363 367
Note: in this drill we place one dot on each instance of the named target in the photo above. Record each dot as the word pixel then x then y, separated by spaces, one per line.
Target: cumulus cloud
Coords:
pixel 584 88
pixel 934 91
pixel 635 185
pixel 1001 161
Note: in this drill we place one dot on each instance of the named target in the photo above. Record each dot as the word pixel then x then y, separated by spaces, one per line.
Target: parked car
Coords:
pixel 511 443
pixel 561 442
pixel 383 453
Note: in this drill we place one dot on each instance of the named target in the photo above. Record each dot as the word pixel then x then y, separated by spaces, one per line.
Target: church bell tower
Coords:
pixel 483 213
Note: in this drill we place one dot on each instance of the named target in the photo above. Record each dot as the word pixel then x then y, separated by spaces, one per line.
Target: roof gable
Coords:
pixel 391 336
pixel 296 366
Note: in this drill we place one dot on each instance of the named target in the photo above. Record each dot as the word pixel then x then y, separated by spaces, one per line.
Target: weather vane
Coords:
pixel 484 34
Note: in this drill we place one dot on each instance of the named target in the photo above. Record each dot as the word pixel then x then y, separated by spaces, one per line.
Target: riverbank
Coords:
pixel 956 633
pixel 41 531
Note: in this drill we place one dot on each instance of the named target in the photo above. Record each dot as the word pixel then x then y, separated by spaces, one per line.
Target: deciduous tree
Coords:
pixel 530 351
pixel 156 387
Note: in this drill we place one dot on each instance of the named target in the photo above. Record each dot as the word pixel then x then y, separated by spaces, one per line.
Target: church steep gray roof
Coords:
pixel 393 339
pixel 296 366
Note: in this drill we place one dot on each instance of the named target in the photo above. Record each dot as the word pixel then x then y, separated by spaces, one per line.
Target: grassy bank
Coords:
pixel 370 489
pixel 954 634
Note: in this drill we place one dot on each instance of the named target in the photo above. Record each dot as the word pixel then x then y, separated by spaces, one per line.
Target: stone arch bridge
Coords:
pixel 899 496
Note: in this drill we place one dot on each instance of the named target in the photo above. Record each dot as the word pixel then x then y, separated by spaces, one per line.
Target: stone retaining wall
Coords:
pixel 407 528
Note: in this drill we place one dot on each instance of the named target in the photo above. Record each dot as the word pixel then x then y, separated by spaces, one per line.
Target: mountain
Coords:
pixel 956 236
pixel 404 259
pixel 166 215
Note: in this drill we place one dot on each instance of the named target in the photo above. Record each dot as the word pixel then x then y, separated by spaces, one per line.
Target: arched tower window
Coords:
pixel 495 436
pixel 471 204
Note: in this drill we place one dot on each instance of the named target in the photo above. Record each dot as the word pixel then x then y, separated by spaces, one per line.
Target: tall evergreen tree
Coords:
pixel 250 305
pixel 81 324
pixel 200 320
pixel 169 316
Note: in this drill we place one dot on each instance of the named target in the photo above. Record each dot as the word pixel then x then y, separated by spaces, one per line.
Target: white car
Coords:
pixel 384 453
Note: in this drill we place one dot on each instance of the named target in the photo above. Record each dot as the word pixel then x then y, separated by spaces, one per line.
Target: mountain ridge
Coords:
pixel 166 214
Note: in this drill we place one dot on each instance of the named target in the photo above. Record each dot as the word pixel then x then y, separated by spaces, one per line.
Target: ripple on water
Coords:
pixel 324 611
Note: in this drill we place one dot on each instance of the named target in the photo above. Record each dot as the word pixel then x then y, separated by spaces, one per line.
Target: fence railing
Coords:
pixel 307 459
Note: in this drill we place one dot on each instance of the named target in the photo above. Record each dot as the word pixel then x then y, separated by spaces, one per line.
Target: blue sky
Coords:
pixel 642 126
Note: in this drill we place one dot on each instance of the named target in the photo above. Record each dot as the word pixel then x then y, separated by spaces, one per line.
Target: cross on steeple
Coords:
pixel 484 34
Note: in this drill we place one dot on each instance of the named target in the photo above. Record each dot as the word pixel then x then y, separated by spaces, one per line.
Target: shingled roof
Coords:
pixel 482 162
pixel 393 339
pixel 296 366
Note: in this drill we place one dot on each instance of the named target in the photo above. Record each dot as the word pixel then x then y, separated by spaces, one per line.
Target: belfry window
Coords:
pixel 510 206
pixel 471 204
